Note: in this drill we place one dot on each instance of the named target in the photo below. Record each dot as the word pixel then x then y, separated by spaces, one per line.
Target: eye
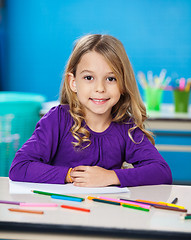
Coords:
pixel 111 79
pixel 88 78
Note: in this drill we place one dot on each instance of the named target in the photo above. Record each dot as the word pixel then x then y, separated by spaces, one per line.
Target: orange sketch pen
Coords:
pixel 25 211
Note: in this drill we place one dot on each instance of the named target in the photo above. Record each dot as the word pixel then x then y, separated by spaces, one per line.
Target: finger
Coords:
pixel 80 168
pixel 76 174
pixel 79 180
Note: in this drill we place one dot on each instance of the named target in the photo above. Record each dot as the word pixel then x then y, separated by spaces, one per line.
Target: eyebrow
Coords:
pixel 93 72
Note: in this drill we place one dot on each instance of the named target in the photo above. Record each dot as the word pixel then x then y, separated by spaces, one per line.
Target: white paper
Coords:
pixel 26 188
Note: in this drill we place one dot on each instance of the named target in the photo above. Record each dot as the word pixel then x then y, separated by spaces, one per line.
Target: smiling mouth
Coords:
pixel 99 100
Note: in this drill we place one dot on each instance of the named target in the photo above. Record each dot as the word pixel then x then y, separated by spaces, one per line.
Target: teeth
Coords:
pixel 98 100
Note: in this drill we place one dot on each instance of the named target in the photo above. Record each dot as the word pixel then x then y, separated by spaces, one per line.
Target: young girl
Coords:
pixel 98 125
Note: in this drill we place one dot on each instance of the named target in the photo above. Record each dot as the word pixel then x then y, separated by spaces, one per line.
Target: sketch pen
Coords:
pixel 182 84
pixel 150 78
pixel 144 202
pixel 105 201
pixel 142 79
pixel 188 85
pixel 90 198
pixel 170 208
pixel 159 204
pixel 75 208
pixel 99 199
pixel 138 201
pixel 188 214
pixel 185 216
pixel 9 202
pixel 149 202
pixel 166 82
pixel 127 202
pixel 174 201
pixel 134 207
pixel 55 194
pixel 66 198
pixel 162 76
pixel 172 205
pixel 95 199
pixel 38 205
pixel 116 202
pixel 25 211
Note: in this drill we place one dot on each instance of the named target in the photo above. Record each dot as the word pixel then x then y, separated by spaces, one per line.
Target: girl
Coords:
pixel 98 125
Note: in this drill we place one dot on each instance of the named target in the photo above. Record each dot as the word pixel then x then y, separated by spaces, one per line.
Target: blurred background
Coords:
pixel 36 39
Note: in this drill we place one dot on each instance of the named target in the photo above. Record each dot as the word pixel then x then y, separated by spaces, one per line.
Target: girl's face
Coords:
pixel 95 85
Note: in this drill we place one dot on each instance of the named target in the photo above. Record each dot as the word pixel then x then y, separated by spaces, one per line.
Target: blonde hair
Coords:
pixel 130 103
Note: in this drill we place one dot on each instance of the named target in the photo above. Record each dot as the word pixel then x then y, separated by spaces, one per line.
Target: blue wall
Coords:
pixel 40 35
pixel 2 43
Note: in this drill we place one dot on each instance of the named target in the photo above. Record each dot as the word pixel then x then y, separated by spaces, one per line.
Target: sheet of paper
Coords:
pixel 26 188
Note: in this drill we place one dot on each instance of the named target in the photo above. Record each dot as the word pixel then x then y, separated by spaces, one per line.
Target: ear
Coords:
pixel 72 82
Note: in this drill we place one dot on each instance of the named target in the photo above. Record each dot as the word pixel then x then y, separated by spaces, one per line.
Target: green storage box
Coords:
pixel 19 113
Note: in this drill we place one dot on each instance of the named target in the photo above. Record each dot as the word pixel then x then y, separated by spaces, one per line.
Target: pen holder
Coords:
pixel 153 98
pixel 181 101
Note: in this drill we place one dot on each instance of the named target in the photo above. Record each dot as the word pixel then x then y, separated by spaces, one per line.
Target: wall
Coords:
pixel 40 33
pixel 2 43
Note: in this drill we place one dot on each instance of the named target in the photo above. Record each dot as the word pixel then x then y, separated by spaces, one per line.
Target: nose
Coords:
pixel 99 86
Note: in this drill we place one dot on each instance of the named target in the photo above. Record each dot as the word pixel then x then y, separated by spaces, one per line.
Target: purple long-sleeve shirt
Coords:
pixel 47 156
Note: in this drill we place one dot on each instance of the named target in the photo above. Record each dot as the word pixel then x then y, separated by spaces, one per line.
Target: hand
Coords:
pixel 93 176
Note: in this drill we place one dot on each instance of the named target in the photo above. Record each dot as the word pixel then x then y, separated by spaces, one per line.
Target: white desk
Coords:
pixel 105 221
pixel 173 140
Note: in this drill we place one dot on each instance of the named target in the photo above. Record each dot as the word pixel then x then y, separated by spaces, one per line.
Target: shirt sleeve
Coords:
pixel 149 167
pixel 32 163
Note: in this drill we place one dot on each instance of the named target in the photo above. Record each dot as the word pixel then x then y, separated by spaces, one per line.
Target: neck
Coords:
pixel 98 124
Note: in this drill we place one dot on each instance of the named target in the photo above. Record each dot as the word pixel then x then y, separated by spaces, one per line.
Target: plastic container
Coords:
pixel 181 101
pixel 19 113
pixel 153 98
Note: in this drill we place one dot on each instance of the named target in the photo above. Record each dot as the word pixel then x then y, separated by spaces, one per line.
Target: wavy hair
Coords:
pixel 130 104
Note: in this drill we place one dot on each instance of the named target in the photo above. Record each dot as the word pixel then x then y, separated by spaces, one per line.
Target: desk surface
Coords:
pixel 167 113
pixel 104 220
